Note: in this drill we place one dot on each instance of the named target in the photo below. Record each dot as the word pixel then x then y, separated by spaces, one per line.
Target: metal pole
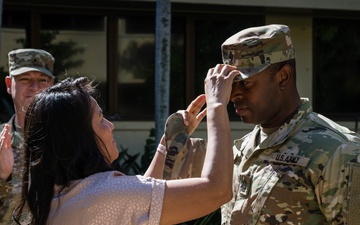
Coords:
pixel 162 65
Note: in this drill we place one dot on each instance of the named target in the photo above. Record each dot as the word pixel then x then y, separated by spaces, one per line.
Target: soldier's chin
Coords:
pixel 245 119
pixel 27 102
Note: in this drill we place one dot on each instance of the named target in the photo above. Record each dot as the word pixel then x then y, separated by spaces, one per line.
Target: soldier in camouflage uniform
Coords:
pixel 30 70
pixel 296 166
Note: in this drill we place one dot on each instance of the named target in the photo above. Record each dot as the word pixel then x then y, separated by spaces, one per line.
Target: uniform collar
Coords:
pixel 248 145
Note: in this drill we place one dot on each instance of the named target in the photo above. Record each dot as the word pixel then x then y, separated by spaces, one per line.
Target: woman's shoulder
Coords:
pixel 116 177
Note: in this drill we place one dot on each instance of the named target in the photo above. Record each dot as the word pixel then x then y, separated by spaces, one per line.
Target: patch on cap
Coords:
pixel 252 50
pixel 28 59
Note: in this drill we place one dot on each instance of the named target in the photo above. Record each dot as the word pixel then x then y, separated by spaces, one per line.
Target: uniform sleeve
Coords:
pixel 5 201
pixel 339 188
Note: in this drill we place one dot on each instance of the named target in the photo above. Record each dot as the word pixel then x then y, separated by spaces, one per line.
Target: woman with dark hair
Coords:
pixel 69 148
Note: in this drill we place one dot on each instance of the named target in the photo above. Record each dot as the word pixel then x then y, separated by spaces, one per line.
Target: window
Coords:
pixel 13 32
pixel 78 44
pixel 336 67
pixel 136 70
pixel 84 44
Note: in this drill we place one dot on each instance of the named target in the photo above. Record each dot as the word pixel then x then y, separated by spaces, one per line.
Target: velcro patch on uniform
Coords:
pixel 354 195
pixel 289 159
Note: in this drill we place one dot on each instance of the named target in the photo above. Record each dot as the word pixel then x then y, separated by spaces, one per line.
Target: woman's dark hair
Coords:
pixel 60 144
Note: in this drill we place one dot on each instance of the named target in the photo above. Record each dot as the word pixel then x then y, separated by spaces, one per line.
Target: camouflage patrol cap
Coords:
pixel 28 59
pixel 252 50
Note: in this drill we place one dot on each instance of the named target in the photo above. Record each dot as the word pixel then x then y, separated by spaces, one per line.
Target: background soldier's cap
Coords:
pixel 28 59
pixel 252 50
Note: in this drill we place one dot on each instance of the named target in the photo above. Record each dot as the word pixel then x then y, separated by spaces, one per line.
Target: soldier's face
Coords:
pixel 257 99
pixel 24 86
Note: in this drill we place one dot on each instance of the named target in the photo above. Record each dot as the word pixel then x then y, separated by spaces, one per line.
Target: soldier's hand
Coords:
pixel 218 84
pixel 6 153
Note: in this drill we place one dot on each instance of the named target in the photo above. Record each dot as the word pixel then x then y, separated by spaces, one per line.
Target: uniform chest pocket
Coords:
pixel 259 179
pixel 256 180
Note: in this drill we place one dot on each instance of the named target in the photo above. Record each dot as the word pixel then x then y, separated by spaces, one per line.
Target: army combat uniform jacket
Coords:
pixel 305 173
pixel 10 189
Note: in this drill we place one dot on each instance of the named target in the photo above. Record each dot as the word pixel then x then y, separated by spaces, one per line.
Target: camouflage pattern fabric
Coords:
pixel 28 59
pixel 10 190
pixel 176 136
pixel 303 173
pixel 185 155
pixel 252 50
pixel 192 163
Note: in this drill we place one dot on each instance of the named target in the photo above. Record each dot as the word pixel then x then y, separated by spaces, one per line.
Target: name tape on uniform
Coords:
pixel 289 159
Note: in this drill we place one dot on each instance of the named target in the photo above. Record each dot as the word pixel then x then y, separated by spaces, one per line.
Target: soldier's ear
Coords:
pixel 285 75
pixel 8 84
